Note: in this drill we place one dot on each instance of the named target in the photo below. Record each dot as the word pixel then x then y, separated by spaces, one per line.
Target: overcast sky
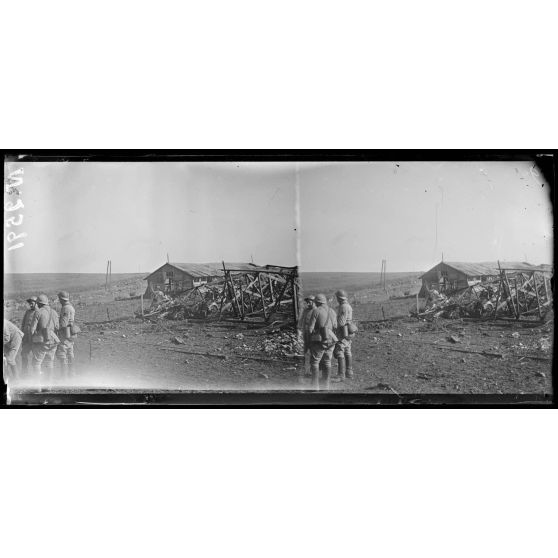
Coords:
pixel 351 215
pixel 354 215
pixel 79 215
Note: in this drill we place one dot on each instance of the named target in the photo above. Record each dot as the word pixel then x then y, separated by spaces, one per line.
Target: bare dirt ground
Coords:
pixel 391 354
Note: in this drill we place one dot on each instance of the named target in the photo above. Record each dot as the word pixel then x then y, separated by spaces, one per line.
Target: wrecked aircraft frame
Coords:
pixel 262 293
pixel 515 294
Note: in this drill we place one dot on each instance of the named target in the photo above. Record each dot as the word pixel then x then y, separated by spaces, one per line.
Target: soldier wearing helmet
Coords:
pixel 65 349
pixel 321 324
pixel 342 350
pixel 303 331
pixel 43 330
pixel 27 343
pixel 12 341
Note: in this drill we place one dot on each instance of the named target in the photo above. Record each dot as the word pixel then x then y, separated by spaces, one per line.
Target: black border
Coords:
pixel 544 158
pixel 263 155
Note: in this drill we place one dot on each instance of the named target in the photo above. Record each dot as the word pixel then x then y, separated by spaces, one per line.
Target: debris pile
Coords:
pixel 281 344
pixel 514 294
pixel 531 346
pixel 544 344
pixel 264 294
pixel 199 302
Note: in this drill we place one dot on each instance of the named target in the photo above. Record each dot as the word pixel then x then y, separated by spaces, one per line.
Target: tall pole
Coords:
pixel 385 268
pixel 106 276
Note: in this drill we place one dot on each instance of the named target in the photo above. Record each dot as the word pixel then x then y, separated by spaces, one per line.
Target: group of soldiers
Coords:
pixel 327 334
pixel 45 336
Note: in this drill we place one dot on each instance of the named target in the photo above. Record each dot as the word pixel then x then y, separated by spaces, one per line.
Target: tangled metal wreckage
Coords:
pixel 264 294
pixel 515 294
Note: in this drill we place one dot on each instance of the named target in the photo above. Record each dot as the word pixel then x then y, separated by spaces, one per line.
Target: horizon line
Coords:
pixel 148 272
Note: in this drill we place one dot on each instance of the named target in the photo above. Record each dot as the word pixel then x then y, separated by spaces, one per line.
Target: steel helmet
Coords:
pixel 32 299
pixel 42 299
pixel 310 298
pixel 341 294
pixel 320 299
pixel 64 295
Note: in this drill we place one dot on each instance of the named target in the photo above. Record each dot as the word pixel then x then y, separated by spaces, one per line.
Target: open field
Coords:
pixel 21 285
pixel 329 282
pixel 392 354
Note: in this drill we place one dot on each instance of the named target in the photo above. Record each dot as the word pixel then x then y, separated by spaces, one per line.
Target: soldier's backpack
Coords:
pixel 46 335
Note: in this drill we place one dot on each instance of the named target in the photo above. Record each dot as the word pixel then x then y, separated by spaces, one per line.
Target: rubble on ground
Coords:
pixel 199 302
pixel 512 295
pixel 265 294
pixel 281 344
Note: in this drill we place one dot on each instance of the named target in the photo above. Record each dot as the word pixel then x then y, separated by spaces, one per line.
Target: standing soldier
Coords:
pixel 303 331
pixel 43 330
pixel 65 349
pixel 12 341
pixel 321 323
pixel 343 347
pixel 27 344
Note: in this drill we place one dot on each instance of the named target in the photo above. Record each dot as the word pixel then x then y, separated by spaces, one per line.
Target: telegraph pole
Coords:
pixel 383 274
pixel 385 266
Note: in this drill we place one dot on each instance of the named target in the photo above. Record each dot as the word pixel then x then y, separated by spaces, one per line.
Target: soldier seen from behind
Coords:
pixel 345 332
pixel 322 322
pixel 13 337
pixel 27 344
pixel 303 332
pixel 44 325
pixel 67 334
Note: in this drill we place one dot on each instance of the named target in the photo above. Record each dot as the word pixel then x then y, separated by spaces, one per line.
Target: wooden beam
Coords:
pixel 262 295
pixel 232 291
pixel 510 295
pixel 223 297
pixel 537 293
pixel 272 293
pixel 278 301
pixel 518 304
pixel 249 284
pixel 295 298
pixel 225 357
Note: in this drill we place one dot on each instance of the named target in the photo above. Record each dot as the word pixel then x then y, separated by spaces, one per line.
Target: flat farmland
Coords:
pixel 18 286
pixel 393 352
pixel 329 282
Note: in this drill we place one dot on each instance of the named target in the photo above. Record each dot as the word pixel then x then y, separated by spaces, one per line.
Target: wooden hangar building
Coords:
pixel 178 277
pixel 448 277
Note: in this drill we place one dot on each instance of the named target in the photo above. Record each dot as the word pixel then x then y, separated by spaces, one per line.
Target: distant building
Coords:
pixel 178 277
pixel 447 277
